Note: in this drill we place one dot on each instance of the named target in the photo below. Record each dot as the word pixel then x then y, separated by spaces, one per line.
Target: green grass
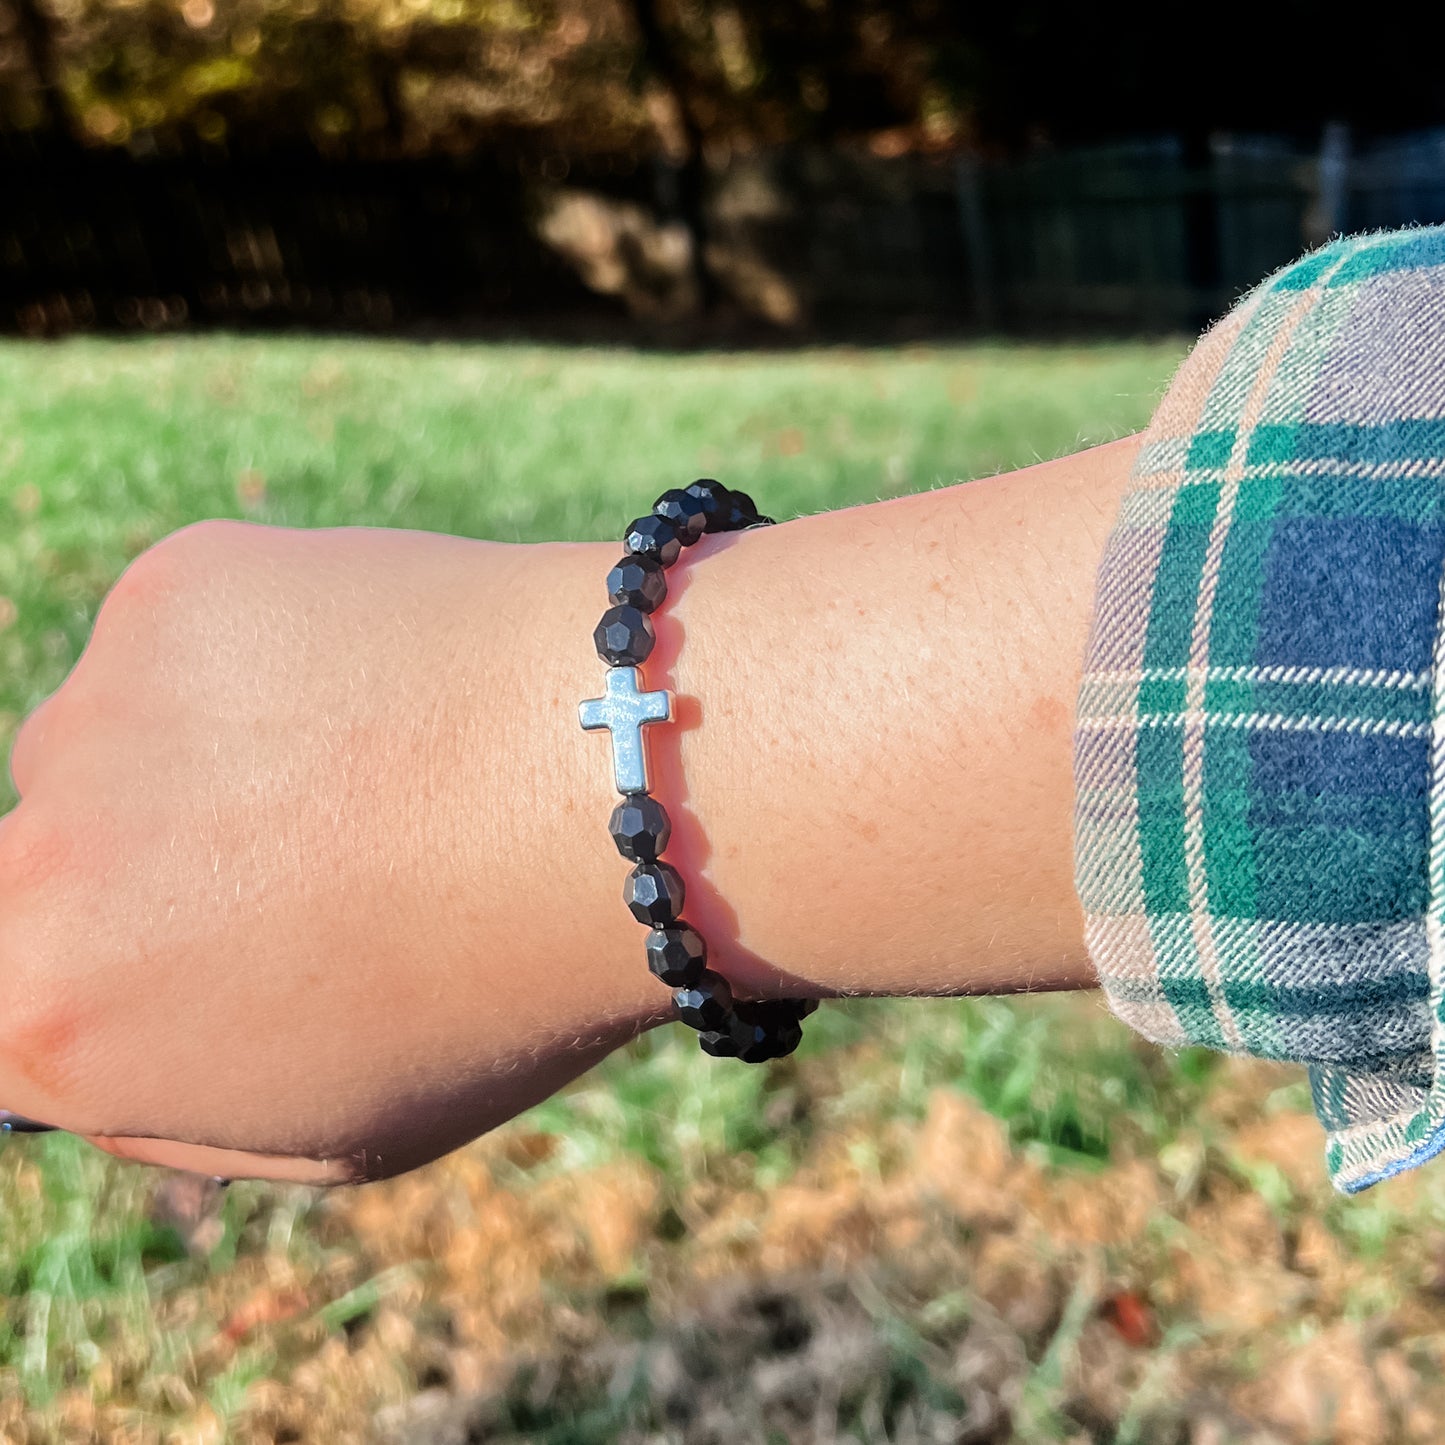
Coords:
pixel 106 447
pixel 1069 1085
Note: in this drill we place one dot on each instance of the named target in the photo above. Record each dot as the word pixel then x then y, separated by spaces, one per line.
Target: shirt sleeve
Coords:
pixel 1259 758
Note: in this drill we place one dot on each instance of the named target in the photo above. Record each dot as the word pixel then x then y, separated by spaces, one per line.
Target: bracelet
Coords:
pixel 751 1030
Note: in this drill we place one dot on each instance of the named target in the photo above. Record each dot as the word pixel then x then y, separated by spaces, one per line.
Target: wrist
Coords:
pixel 869 766
pixel 551 872
pixel 870 772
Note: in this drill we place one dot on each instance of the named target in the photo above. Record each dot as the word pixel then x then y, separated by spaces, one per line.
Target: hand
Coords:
pixel 266 888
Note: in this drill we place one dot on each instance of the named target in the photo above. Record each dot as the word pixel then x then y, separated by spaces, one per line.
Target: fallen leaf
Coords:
pixel 267 1306
pixel 1131 1317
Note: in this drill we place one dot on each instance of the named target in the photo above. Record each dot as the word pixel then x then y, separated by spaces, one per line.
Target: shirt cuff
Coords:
pixel 1259 758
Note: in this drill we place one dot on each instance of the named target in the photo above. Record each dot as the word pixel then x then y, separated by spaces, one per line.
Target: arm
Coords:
pixel 311 860
pixel 874 760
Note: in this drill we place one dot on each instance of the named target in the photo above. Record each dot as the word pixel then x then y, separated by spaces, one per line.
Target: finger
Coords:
pixel 228 1163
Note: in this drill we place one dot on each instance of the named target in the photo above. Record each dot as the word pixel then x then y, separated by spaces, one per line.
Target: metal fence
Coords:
pixel 1138 236
pixel 1141 236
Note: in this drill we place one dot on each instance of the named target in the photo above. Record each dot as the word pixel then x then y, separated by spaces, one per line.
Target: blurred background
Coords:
pixel 796 166
pixel 508 268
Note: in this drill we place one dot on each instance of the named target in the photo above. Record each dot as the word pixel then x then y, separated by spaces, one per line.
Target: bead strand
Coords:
pixel 750 1030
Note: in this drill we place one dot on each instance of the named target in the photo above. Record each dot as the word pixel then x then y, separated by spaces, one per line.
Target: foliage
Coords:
pixel 552 80
pixel 544 78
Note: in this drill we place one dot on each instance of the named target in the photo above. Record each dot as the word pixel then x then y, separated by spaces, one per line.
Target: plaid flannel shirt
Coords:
pixel 1260 745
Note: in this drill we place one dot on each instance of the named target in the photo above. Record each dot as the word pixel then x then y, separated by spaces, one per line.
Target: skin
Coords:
pixel 310 877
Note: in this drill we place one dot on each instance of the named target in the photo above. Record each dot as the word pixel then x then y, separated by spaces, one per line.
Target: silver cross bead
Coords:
pixel 623 711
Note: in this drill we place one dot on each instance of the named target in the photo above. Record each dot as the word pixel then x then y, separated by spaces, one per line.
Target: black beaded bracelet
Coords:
pixel 751 1030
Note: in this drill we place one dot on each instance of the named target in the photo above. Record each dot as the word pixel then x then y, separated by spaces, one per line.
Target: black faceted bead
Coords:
pixel 677 955
pixel 784 1031
pixel 640 827
pixel 741 517
pixel 655 537
pixel 775 1043
pixel 708 1004
pixel 766 1030
pixel 637 582
pixel 654 893
pixel 624 637
pixel 685 512
pixel 743 503
pixel 725 1043
pixel 716 502
pixel 744 1039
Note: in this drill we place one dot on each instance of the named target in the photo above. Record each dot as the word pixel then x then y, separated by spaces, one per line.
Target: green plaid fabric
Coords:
pixel 1260 744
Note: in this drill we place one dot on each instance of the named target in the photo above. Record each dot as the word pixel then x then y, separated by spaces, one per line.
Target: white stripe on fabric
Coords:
pixel 1306 676
pixel 1195 723
pixel 1264 722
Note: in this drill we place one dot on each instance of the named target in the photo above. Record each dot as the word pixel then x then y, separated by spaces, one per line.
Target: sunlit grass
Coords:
pixel 105 447
pixel 1065 1078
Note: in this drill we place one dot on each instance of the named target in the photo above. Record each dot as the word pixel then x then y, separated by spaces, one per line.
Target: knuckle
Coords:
pixel 57 742
pixel 144 576
pixel 198 535
pixel 40 1024
pixel 169 553
pixel 54 1049
pixel 27 750
pixel 179 561
pixel 46 1057
pixel 143 592
pixel 35 852
pixel 145 581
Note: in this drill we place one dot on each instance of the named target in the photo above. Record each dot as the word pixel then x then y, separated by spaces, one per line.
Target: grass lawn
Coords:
pixel 105 447
pixel 985 1201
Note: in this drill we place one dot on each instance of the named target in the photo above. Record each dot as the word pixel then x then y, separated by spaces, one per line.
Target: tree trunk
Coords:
pixel 36 28
pixel 660 58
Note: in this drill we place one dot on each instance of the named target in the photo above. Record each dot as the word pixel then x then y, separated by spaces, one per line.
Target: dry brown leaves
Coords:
pixel 1195 1295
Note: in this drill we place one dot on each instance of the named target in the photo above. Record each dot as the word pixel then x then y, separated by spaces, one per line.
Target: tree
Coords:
pixel 34 28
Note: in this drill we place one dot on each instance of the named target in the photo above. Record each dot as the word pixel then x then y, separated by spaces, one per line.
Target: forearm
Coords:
pixel 870 773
